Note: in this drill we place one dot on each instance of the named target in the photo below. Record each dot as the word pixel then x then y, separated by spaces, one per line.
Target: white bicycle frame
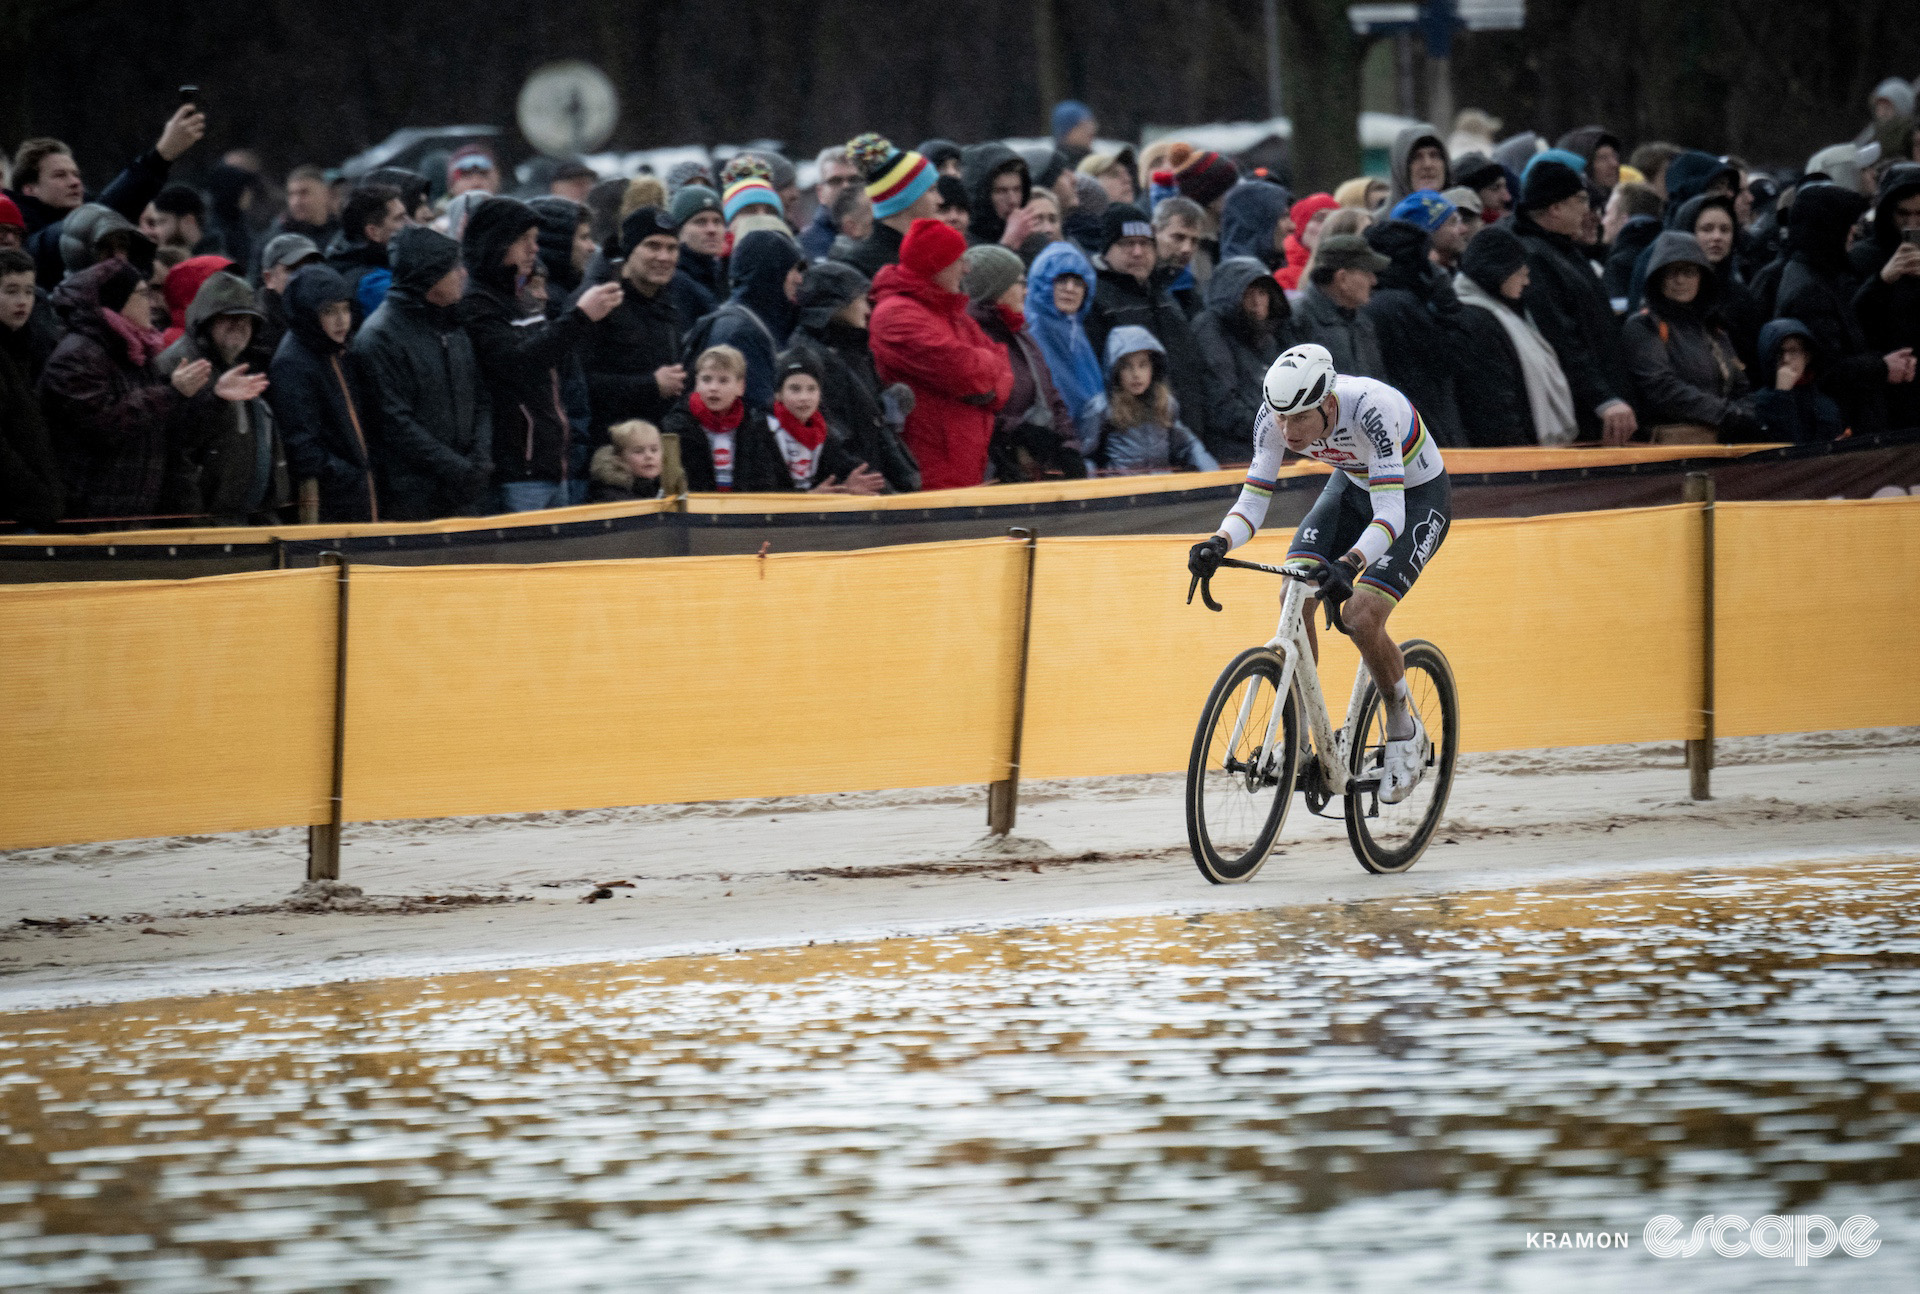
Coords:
pixel 1290 641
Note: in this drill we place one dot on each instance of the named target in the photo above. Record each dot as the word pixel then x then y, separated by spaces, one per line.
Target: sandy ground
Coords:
pixel 150 918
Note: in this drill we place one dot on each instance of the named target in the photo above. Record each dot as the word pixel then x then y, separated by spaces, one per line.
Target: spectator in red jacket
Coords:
pixel 922 335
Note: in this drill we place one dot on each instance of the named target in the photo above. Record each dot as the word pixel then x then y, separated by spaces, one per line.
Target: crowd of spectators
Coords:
pixel 409 346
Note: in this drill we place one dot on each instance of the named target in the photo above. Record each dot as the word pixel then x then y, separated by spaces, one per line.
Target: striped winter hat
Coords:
pixel 748 182
pixel 895 177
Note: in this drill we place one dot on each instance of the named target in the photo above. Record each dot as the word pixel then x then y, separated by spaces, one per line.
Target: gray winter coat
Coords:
pixel 1348 335
pixel 1684 366
pixel 1147 446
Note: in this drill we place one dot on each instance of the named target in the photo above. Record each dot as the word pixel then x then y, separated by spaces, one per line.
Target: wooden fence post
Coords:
pixel 323 839
pixel 1003 797
pixel 1699 489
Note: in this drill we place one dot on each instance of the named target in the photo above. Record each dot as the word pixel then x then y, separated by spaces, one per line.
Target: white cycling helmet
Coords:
pixel 1299 379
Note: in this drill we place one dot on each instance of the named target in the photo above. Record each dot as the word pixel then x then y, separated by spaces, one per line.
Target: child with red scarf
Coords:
pixel 816 455
pixel 726 445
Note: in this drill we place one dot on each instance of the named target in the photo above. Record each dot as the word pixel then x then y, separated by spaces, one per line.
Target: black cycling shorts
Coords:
pixel 1344 510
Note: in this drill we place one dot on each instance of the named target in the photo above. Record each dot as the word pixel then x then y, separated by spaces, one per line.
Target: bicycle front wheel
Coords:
pixel 1241 773
pixel 1391 837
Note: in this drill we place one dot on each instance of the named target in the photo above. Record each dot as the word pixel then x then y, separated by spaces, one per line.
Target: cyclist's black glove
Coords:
pixel 1336 585
pixel 1203 559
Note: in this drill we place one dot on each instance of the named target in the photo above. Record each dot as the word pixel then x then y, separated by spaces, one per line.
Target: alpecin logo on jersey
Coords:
pixel 1426 537
pixel 1377 432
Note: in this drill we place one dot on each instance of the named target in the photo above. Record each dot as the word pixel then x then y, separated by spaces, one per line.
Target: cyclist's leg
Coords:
pixel 1332 525
pixel 1375 595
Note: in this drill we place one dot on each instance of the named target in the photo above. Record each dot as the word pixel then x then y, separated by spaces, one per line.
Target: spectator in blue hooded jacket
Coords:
pixel 1254 222
pixel 1059 299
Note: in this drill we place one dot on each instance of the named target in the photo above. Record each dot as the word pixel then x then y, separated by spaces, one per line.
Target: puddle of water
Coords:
pixel 1362 1096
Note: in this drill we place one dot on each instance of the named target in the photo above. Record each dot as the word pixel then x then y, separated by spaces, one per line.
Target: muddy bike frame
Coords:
pixel 1291 644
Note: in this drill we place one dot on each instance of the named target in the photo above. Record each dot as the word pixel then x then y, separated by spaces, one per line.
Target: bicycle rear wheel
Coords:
pixel 1237 789
pixel 1391 837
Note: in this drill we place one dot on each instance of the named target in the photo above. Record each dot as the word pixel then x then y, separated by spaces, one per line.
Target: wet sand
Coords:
pixel 142 919
pixel 1401 1093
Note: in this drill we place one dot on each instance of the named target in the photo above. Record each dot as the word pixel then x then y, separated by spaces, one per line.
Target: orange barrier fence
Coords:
pixel 178 707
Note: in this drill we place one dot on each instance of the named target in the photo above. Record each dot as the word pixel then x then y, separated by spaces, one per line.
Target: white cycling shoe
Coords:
pixel 1405 765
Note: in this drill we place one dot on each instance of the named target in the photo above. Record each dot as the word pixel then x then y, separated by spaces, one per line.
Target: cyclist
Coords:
pixel 1374 528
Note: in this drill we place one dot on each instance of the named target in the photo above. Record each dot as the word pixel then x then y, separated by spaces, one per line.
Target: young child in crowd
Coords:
pixel 641 463
pixel 1135 425
pixel 725 444
pixel 1788 405
pixel 816 455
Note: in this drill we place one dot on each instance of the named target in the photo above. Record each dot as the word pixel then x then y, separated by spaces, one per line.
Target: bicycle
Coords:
pixel 1251 751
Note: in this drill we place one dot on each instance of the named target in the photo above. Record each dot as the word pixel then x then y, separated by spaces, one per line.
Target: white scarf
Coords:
pixel 1548 395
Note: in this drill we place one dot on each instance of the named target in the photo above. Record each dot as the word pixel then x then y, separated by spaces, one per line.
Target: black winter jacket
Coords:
pixel 1572 311
pixel 31 491
pixel 433 449
pixel 758 465
pixel 1417 316
pixel 850 393
pixel 523 359
pixel 622 352
pixel 1238 353
pixel 321 403
pixel 1817 287
pixel 1122 299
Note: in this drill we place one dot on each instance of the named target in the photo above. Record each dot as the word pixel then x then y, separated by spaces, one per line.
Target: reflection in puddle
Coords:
pixel 1346 1096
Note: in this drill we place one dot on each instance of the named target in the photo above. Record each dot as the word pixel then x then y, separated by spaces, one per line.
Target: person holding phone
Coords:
pixel 1888 302
pixel 48 186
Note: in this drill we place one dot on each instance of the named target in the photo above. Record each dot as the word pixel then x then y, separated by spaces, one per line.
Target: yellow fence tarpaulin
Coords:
pixel 496 689
pixel 1795 648
pixel 165 708
pixel 1575 629
pixel 157 708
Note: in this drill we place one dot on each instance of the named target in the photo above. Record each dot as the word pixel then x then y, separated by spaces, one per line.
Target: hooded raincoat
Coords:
pixel 1239 350
pixel 320 404
pixel 433 444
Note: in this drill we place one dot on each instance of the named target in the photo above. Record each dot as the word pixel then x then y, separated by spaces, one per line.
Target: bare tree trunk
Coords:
pixel 1323 92
pixel 1046 52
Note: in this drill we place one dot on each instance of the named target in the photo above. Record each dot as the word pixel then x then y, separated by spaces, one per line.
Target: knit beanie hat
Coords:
pixel 1423 208
pixel 1123 220
pixel 690 201
pixel 991 270
pixel 643 223
pixel 1067 114
pixel 681 174
pixel 1548 183
pixel 895 178
pixel 746 182
pixel 1492 256
pixel 930 246
pixel 1202 176
pixel 795 361
pixel 1476 170
pixel 10 216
